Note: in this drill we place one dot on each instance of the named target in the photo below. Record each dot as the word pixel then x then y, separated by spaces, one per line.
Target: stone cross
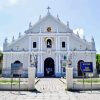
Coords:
pixel 48 8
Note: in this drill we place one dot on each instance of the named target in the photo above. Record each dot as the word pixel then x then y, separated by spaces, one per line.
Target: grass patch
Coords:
pixel 8 81
pixel 89 81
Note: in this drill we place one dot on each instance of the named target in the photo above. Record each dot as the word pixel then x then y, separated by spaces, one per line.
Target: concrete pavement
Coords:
pixel 49 89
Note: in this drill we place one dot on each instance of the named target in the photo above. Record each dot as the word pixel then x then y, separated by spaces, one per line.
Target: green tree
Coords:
pixel 98 63
pixel 1 59
pixel 1 56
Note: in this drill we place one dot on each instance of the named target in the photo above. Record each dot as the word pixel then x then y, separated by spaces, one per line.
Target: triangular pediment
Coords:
pixel 46 22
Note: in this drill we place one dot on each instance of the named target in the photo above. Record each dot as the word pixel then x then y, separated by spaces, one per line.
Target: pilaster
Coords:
pixel 59 69
pixel 56 43
pixel 39 46
pixel 29 43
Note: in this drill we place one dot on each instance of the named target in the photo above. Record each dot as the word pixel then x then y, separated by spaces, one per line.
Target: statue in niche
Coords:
pixel 49 43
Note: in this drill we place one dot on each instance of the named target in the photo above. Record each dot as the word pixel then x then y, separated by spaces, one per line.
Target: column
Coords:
pixel 4 63
pixel 59 64
pixel 41 64
pixel 39 46
pixel 38 67
pixel 56 43
pixel 68 50
pixel 41 43
pixel 41 61
pixel 29 59
pixel 29 50
pixel 29 43
pixel 67 43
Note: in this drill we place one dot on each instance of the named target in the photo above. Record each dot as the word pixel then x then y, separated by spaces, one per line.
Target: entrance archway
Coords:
pixel 49 69
pixel 17 62
pixel 17 68
pixel 79 68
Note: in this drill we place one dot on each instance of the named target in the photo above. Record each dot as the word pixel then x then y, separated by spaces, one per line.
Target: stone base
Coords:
pixel 69 77
pixel 31 78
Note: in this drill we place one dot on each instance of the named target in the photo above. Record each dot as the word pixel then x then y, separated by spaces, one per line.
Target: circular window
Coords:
pixel 49 29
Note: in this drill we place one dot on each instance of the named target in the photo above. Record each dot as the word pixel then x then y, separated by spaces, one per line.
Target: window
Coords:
pixel 63 44
pixel 49 43
pixel 34 44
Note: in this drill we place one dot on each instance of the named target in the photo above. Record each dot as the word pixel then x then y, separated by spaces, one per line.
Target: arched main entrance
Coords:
pixel 49 69
pixel 79 68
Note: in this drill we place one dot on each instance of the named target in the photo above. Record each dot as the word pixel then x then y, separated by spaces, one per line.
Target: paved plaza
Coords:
pixel 49 89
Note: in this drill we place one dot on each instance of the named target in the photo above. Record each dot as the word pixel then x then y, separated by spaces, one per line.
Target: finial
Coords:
pixel 13 39
pixel 19 34
pixel 48 9
pixel 58 17
pixel 40 29
pixel 30 25
pixel 84 37
pixel 6 40
pixel 67 24
pixel 77 33
pixel 40 17
pixel 92 39
pixel 93 44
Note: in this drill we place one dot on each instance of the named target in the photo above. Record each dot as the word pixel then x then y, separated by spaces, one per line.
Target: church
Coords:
pixel 49 45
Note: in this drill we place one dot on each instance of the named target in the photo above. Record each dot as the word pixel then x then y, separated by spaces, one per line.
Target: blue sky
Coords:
pixel 83 15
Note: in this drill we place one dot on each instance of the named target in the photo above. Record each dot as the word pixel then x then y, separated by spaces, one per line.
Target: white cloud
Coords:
pixel 13 2
pixel 1 48
pixel 80 31
pixel 8 3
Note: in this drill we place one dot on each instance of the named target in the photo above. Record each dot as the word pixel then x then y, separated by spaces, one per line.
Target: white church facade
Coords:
pixel 49 44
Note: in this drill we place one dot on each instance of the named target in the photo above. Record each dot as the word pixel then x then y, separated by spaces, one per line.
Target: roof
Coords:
pixel 49 21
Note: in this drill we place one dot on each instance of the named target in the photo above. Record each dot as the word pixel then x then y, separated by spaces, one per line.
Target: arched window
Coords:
pixel 49 43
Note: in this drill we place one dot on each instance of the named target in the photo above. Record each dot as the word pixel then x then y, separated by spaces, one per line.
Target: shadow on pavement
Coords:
pixel 35 91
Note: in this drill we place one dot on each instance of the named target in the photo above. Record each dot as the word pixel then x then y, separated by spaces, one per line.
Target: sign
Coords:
pixel 16 68
pixel 64 63
pixel 86 67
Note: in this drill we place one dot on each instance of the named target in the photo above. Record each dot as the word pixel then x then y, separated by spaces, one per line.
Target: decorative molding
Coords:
pixel 46 38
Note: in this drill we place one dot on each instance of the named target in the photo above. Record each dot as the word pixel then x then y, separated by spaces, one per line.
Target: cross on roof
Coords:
pixel 48 8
